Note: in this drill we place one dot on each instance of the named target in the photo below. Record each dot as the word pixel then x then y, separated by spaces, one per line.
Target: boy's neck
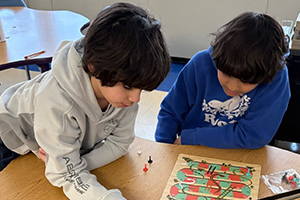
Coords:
pixel 103 104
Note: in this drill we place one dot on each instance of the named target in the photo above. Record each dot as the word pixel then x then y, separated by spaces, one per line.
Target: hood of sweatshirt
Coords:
pixel 68 71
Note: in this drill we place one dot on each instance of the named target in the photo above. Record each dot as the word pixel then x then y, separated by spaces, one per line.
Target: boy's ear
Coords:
pixel 91 68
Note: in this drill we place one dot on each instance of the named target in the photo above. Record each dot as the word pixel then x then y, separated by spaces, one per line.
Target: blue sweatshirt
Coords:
pixel 198 109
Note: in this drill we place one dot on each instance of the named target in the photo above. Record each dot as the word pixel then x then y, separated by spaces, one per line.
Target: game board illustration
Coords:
pixel 201 178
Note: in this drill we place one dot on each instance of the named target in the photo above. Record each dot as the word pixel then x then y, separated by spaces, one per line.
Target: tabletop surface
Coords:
pixel 28 31
pixel 24 177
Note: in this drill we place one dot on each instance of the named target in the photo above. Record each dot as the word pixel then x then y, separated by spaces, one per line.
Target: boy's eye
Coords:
pixel 127 87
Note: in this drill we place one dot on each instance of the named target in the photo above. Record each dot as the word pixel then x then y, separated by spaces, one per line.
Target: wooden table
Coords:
pixel 24 179
pixel 28 31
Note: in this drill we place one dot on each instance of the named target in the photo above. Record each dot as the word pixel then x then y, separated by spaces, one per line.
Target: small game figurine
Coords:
pixel 294 180
pixel 139 152
pixel 145 168
pixel 150 161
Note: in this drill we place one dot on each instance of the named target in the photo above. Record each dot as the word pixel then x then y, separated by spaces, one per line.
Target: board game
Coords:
pixel 201 178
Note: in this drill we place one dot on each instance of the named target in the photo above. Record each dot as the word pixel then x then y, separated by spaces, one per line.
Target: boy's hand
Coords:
pixel 178 140
pixel 42 154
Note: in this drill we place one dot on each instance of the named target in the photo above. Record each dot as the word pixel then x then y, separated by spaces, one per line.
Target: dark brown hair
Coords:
pixel 125 44
pixel 251 47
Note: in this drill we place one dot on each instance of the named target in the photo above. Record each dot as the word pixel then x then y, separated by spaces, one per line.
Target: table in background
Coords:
pixel 28 31
pixel 24 177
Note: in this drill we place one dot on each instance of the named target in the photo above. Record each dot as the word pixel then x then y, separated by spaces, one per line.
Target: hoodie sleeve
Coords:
pixel 61 139
pixel 116 144
pixel 65 168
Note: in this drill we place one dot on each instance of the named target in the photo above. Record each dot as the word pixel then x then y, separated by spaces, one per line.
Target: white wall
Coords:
pixel 186 24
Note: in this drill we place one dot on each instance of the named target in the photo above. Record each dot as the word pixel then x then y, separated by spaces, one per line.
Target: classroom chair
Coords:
pixel 7 3
pixel 42 63
pixel 289 128
pixel 84 28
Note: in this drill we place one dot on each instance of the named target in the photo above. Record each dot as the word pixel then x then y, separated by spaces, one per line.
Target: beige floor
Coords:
pixel 147 115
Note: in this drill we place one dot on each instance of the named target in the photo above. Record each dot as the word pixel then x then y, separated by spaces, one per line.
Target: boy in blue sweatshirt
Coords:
pixel 234 94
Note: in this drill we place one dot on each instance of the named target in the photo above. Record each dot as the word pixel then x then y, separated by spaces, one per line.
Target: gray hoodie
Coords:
pixel 58 111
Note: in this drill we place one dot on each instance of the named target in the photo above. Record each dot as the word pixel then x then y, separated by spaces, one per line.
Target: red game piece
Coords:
pixel 145 168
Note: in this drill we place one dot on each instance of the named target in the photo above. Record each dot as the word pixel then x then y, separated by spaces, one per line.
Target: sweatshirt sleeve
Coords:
pixel 176 105
pixel 256 128
pixel 64 166
pixel 116 144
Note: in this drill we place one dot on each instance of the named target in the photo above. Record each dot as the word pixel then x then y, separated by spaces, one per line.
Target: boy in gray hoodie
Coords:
pixel 80 115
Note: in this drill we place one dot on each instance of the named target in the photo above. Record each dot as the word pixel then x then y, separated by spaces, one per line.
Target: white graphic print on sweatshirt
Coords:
pixel 232 108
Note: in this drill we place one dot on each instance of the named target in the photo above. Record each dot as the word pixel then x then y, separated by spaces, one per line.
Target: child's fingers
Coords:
pixel 42 154
pixel 42 150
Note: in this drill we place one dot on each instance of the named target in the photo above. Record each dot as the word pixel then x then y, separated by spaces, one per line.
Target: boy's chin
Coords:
pixel 120 105
pixel 230 93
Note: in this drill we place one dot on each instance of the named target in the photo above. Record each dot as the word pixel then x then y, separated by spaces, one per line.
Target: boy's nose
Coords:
pixel 135 95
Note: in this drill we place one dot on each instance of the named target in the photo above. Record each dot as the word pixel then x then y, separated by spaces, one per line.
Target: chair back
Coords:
pixel 289 128
pixel 8 3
